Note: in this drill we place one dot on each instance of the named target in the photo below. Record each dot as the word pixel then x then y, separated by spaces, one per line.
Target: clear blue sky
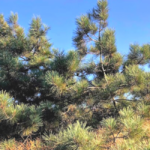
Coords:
pixel 130 19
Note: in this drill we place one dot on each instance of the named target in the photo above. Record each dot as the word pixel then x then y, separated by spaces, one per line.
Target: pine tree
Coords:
pixel 39 79
pixel 31 71
pixel 93 39
pixel 49 101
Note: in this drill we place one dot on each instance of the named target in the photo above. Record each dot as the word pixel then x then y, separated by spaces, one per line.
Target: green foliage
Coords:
pixel 28 118
pixel 53 78
pixel 110 124
pixel 48 93
pixel 76 136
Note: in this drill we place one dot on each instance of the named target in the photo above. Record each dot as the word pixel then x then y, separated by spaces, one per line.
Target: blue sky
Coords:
pixel 130 19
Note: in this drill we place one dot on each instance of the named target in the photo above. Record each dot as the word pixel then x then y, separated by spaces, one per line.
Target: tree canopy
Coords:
pixel 48 101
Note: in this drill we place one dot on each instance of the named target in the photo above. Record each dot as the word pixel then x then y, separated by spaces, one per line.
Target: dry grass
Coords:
pixel 27 145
